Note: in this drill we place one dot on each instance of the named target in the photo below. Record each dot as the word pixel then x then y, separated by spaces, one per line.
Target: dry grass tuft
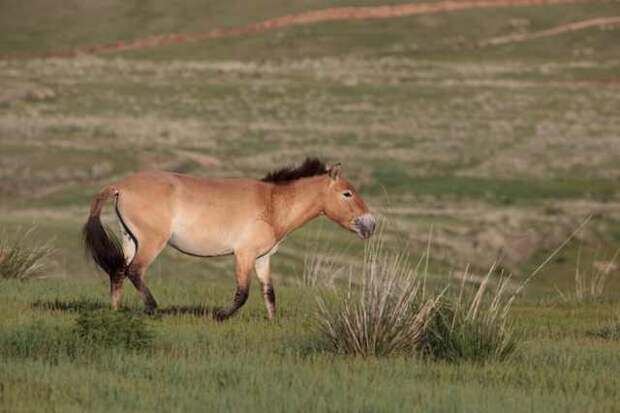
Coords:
pixel 392 311
pixel 590 285
pixel 386 315
pixel 474 325
pixel 22 259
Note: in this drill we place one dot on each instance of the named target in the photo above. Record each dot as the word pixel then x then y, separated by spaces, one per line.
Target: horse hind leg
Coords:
pixel 135 273
pixel 141 247
pixel 117 279
pixel 148 249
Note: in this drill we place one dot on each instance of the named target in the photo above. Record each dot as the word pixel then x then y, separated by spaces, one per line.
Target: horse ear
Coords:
pixel 334 171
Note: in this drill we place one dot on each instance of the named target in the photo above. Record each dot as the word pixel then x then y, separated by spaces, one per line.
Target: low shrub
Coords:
pixel 93 334
pixel 114 328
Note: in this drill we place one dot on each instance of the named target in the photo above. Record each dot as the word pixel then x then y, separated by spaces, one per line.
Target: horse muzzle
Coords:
pixel 364 225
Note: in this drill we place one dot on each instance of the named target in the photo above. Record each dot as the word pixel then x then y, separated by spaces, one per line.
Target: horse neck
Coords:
pixel 295 203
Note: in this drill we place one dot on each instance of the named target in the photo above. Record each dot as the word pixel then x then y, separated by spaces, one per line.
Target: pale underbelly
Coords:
pixel 203 246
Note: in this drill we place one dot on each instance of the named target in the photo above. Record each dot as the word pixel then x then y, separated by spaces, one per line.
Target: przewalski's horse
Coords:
pixel 212 217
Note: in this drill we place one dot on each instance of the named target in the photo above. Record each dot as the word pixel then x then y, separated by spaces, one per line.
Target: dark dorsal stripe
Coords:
pixel 310 167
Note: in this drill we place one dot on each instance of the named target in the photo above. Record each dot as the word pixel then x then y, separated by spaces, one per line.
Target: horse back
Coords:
pixel 203 216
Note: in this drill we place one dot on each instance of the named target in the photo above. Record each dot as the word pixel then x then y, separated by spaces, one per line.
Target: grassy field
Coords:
pixel 491 152
pixel 249 363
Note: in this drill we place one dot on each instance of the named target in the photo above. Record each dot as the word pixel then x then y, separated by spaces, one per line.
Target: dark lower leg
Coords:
pixel 269 295
pixel 145 293
pixel 241 296
pixel 243 266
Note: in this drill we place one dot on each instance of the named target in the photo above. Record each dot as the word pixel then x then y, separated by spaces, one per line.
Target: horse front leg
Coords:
pixel 263 272
pixel 243 269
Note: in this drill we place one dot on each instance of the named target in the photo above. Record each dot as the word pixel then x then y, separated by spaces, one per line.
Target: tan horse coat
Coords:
pixel 212 217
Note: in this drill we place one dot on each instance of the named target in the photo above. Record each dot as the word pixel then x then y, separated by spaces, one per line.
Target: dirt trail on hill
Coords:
pixel 331 14
pixel 565 28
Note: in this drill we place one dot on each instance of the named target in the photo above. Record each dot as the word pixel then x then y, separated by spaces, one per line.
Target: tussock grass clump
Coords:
pixel 474 325
pixel 114 328
pixel 387 314
pixel 590 284
pixel 393 311
pixel 22 259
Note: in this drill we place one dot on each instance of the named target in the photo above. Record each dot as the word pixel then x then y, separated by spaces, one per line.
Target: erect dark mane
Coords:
pixel 310 167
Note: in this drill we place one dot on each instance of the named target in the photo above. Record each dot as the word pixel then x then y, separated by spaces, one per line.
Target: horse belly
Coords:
pixel 215 219
pixel 201 244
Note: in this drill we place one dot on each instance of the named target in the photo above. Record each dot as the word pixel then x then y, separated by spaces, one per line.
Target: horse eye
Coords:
pixel 347 194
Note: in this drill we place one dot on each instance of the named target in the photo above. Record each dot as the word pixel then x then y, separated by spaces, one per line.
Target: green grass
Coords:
pixel 502 191
pixel 416 37
pixel 195 363
pixel 33 26
pixel 501 151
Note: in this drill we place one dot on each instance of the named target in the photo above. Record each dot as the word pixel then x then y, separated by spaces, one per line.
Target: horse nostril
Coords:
pixel 366 224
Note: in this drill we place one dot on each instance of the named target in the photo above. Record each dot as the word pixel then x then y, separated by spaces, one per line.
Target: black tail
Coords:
pixel 102 246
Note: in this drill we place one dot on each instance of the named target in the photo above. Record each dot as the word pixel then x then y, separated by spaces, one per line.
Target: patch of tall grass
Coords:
pixel 473 325
pixel 393 311
pixel 22 258
pixel 387 314
pixel 590 283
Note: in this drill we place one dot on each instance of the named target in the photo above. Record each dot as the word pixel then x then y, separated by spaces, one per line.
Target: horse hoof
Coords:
pixel 150 310
pixel 220 315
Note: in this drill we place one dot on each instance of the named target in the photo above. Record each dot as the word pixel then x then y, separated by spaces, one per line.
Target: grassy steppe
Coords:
pixel 249 363
pixel 496 151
